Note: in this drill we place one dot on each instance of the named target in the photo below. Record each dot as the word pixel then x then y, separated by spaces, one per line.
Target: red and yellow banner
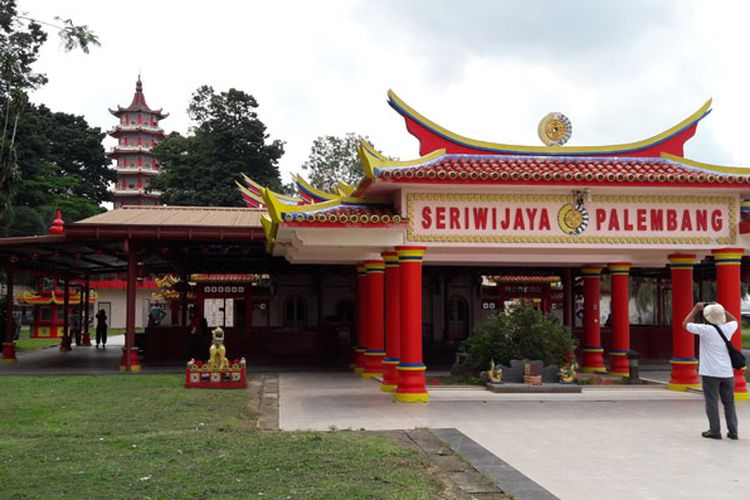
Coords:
pixel 568 219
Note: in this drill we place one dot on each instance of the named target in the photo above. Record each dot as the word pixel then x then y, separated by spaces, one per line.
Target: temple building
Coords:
pixel 391 274
pixel 137 133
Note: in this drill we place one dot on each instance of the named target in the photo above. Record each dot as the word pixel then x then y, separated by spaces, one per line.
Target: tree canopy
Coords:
pixel 21 38
pixel 61 164
pixel 333 159
pixel 227 140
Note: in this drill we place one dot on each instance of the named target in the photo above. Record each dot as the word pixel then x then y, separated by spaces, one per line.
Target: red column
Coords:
pixel 359 349
pixel 728 262
pixel 411 385
pixel 684 364
pixel 392 322
pixel 568 302
pixel 85 305
pixel 593 361
pixel 618 273
pixel 9 347
pixel 376 317
pixel 129 360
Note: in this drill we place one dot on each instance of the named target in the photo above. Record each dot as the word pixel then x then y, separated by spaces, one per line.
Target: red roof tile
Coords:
pixel 551 170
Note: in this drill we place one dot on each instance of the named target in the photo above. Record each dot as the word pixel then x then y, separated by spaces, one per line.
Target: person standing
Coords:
pixel 715 366
pixel 101 328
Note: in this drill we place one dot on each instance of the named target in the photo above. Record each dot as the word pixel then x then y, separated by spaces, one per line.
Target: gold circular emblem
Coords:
pixel 573 219
pixel 555 129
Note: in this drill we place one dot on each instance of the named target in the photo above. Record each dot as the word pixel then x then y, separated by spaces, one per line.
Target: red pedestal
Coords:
pixel 593 359
pixel 728 262
pixel 392 322
pixel 358 358
pixel 85 339
pixel 375 319
pixel 200 376
pixel 9 352
pixel 135 364
pixel 618 273
pixel 684 365
pixel 65 343
pixel 411 384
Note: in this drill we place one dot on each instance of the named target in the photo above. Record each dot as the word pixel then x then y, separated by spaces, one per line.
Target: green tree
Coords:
pixel 227 140
pixel 61 164
pixel 21 38
pixel 334 159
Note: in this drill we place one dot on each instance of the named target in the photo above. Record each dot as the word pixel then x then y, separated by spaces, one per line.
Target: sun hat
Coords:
pixel 714 314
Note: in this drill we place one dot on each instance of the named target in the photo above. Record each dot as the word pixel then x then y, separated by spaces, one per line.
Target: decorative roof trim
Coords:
pixel 718 169
pixel 679 133
pixel 374 162
pixel 310 192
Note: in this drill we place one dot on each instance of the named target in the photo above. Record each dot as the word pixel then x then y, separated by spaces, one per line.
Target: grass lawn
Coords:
pixel 25 343
pixel 146 436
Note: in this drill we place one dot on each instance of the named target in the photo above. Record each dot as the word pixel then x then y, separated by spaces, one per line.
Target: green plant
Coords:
pixel 523 333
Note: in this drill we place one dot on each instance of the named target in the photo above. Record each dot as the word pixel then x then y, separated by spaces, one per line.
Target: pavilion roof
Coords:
pixel 667 170
pixel 138 104
pixel 433 137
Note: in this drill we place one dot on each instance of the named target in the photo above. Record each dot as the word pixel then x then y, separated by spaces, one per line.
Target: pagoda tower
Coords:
pixel 136 134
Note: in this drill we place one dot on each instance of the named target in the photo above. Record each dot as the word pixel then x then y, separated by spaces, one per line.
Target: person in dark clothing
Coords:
pixel 194 334
pixel 101 328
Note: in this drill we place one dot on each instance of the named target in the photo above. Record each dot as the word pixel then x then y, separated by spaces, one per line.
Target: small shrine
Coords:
pixel 217 372
pixel 48 304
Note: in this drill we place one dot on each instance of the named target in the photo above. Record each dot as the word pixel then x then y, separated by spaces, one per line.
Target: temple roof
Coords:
pixel 138 104
pixel 432 137
pixel 478 169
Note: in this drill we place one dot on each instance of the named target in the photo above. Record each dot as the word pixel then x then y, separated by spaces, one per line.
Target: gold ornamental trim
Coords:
pixel 573 239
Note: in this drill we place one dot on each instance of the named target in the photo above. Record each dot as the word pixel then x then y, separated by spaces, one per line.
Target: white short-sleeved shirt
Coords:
pixel 714 357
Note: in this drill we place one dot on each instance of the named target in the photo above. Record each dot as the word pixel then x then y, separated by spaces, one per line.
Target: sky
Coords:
pixel 489 70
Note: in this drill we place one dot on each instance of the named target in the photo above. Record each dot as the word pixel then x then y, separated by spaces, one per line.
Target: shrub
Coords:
pixel 523 333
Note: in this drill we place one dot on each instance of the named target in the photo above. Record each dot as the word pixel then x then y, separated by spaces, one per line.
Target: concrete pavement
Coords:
pixel 620 443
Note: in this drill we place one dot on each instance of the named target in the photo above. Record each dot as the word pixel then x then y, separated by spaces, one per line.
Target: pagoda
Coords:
pixel 136 134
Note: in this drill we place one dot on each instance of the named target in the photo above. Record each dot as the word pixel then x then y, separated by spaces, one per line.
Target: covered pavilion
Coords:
pixel 463 205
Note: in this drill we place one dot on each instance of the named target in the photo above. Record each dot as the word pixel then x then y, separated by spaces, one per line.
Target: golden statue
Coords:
pixel 495 373
pixel 568 373
pixel 217 352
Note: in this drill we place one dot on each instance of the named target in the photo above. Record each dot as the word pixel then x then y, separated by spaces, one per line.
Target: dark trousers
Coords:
pixel 713 389
pixel 194 346
pixel 101 336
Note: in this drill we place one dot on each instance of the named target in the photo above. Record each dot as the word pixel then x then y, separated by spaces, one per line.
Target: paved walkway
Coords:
pixel 620 443
pixel 79 360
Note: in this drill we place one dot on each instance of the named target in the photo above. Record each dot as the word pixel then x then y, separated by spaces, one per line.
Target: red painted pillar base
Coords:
pixel 85 340
pixel 390 375
pixel 65 343
pixel 135 364
pixel 684 374
pixel 373 364
pixel 411 385
pixel 618 364
pixel 9 352
pixel 359 359
pixel 593 360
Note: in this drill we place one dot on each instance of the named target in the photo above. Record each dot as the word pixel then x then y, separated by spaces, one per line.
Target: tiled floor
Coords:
pixel 619 443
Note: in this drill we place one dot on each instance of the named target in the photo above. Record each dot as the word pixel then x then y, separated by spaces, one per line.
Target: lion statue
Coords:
pixel 218 353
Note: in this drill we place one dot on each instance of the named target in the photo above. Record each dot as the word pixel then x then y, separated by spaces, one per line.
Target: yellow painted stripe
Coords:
pixel 619 268
pixel 410 397
pixel 410 253
pixel 682 260
pixel 375 267
pixel 706 166
pixel 683 387
pixel 412 368
pixel 642 144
